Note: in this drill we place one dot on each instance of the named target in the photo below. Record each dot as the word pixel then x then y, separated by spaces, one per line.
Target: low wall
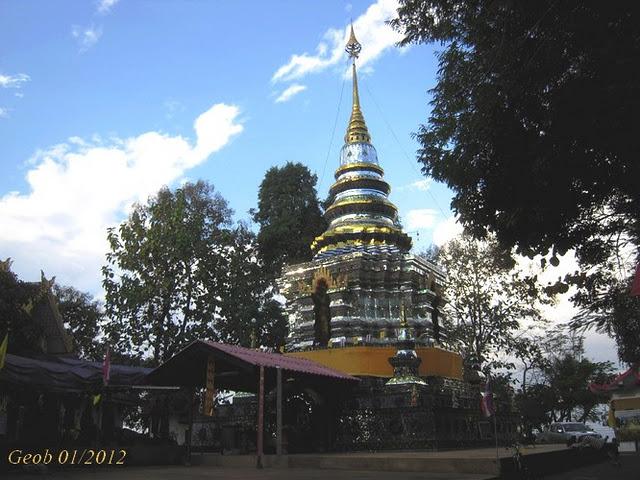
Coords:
pixel 545 463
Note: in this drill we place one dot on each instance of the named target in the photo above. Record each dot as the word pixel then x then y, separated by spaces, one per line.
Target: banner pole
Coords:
pixel 260 429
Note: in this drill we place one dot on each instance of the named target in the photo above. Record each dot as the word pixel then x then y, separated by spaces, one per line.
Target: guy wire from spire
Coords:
pixel 404 152
pixel 333 132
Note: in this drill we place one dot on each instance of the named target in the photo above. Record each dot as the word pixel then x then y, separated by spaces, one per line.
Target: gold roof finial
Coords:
pixel 5 266
pixel 357 129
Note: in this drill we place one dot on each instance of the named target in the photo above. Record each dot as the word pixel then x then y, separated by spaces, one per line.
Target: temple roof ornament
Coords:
pixel 45 284
pixel 5 265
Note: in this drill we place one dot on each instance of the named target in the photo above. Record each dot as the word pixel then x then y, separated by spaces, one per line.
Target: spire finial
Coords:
pixel 357 130
pixel 353 47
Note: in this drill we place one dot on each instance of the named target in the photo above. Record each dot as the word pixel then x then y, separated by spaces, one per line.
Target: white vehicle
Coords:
pixel 566 432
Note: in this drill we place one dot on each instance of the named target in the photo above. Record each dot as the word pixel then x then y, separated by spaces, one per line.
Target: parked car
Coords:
pixel 565 432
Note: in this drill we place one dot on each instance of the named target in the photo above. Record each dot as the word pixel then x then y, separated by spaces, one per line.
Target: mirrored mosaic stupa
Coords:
pixel 362 274
pixel 366 306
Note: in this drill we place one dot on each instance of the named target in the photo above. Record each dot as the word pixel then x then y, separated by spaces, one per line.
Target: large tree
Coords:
pixel 251 315
pixel 558 390
pixel 534 126
pixel 289 215
pixel 163 273
pixel 488 301
pixel 83 316
pixel 179 270
pixel 606 304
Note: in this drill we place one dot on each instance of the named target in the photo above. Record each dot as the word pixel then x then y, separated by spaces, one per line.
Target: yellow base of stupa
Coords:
pixel 367 361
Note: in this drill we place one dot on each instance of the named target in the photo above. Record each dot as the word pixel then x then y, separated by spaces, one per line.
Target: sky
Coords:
pixel 102 102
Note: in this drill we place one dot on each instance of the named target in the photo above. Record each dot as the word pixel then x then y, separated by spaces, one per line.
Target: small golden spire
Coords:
pixel 357 129
pixel 403 314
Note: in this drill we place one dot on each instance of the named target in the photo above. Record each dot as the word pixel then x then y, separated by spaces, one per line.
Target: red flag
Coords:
pixel 106 367
pixel 635 288
pixel 487 406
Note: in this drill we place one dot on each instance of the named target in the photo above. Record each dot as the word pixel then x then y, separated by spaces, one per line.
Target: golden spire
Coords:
pixel 357 129
pixel 403 314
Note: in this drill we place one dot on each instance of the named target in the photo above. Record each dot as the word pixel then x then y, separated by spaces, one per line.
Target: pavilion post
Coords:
pixel 278 411
pixel 189 436
pixel 260 429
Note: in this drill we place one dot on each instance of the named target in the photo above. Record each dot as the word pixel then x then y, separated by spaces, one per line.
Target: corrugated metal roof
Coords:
pixel 277 360
pixel 66 374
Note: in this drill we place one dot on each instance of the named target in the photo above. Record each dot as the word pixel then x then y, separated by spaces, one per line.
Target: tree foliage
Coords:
pixel 606 305
pixel 179 270
pixel 251 316
pixel 289 216
pixel 558 389
pixel 534 128
pixel 15 296
pixel 488 301
pixel 82 316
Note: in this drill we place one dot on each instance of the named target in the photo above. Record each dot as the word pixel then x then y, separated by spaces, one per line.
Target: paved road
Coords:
pixel 215 473
pixel 629 469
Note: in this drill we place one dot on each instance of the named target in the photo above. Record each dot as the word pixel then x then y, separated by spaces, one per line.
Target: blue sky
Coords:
pixel 103 73
pixel 102 102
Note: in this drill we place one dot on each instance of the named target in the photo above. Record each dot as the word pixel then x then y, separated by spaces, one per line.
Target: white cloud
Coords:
pixel 420 219
pixel 600 347
pixel 13 81
pixel 422 185
pixel 86 37
pixel 81 187
pixel 105 6
pixel 290 92
pixel 562 309
pixel 446 230
pixel 372 31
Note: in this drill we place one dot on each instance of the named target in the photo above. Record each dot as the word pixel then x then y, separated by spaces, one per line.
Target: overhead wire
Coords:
pixel 404 152
pixel 333 132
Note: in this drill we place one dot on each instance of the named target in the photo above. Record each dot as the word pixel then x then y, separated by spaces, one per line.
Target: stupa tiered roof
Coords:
pixel 361 217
